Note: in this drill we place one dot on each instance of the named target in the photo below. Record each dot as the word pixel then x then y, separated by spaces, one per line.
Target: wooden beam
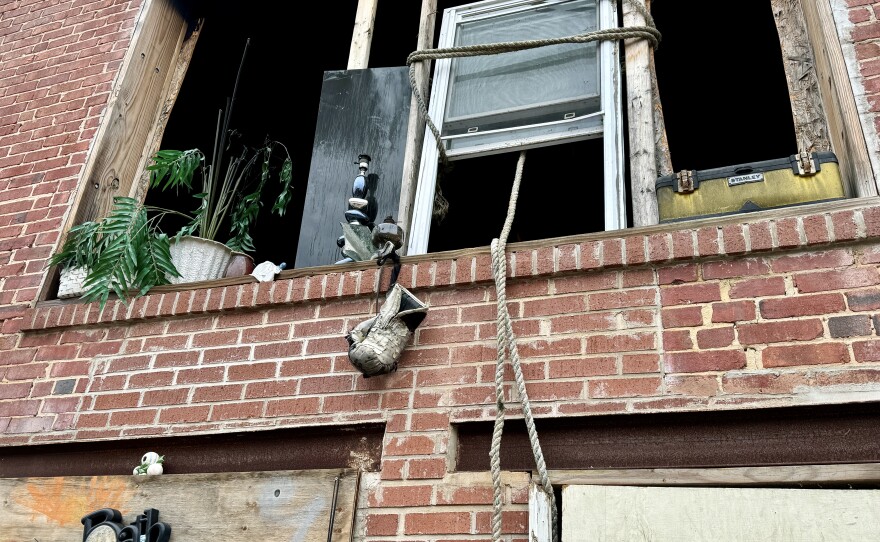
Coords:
pixel 847 137
pixel 362 37
pixel 794 475
pixel 139 190
pixel 810 126
pixel 416 125
pixel 640 101
pixel 661 142
pixel 540 515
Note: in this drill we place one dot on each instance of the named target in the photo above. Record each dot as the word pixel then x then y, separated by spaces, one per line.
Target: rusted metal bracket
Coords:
pixel 685 181
pixel 806 164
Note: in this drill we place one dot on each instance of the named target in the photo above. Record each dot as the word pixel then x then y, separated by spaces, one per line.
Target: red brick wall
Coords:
pixel 865 35
pixel 765 313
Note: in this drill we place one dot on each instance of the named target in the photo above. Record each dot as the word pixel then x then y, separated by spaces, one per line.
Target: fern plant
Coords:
pixel 124 252
pixel 231 186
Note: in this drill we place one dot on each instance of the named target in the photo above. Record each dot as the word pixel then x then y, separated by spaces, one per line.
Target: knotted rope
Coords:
pixel 505 337
pixel 648 32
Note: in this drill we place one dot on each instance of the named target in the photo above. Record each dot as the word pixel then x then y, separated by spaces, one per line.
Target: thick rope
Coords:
pixel 505 336
pixel 648 32
pixel 507 341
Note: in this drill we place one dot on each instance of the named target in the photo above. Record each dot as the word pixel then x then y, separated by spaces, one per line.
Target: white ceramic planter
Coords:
pixel 71 282
pixel 199 259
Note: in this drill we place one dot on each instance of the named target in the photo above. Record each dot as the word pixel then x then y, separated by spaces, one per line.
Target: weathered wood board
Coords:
pixel 279 505
pixel 361 112
pixel 633 514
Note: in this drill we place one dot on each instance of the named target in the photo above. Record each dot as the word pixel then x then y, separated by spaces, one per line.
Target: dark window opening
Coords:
pixel 561 194
pixel 722 85
pixel 395 33
pixel 278 97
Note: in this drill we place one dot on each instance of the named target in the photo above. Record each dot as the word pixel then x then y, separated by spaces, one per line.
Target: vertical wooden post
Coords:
pixel 810 126
pixel 640 101
pixel 416 125
pixel 540 512
pixel 847 138
pixel 362 37
pixel 661 143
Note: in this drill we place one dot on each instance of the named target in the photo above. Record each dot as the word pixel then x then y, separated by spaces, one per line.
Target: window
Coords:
pixel 519 100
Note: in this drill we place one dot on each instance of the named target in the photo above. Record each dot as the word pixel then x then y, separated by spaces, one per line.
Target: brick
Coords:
pixel 774 332
pixel 812 354
pixel 837 280
pixel 718 337
pixel 760 237
pixel 678 274
pixel 802 305
pixel 734 238
pixel 698 385
pixel 293 407
pixel 679 339
pixel 683 245
pixel 681 317
pixel 726 269
pixel 187 414
pixel 213 394
pixel 579 368
pixel 624 387
pixel 382 524
pixel 412 445
pixel 617 300
pixel 787 232
pixel 763 383
pixel 866 350
pixel 585 282
pixel 423 469
pixel 397 496
pixel 165 397
pixel 641 363
pixel 554 305
pixel 704 361
pixel 635 250
pixel 849 326
pixel 812 260
pixel 707 241
pixel 687 294
pixel 733 311
pixel 271 388
pixel 554 391
pixel 236 411
pixel 116 401
pixel 620 343
pixel 251 371
pixel 438 523
pixel 757 287
pixel 446 376
pixel 459 495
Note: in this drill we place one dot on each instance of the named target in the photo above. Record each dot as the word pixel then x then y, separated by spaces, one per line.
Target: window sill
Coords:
pixel 781 229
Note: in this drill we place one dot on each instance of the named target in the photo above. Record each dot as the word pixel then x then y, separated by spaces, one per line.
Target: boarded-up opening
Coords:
pixel 288 505
pixel 633 514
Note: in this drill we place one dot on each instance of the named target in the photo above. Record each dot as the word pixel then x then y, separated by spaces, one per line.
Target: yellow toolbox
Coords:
pixel 798 179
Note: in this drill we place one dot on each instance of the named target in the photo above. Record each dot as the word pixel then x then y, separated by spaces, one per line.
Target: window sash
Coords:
pixel 607 122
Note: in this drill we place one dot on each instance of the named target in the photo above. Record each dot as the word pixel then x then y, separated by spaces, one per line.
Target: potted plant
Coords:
pixel 231 194
pixel 123 253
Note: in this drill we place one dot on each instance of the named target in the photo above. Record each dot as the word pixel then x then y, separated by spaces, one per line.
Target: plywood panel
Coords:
pixel 361 111
pixel 633 514
pixel 280 505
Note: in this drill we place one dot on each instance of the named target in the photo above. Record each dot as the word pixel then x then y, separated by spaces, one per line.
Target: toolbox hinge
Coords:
pixel 685 180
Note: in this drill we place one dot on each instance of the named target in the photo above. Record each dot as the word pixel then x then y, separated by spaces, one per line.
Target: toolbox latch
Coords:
pixel 685 180
pixel 805 164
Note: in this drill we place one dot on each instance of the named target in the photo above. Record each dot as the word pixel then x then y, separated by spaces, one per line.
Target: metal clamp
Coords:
pixel 806 164
pixel 685 180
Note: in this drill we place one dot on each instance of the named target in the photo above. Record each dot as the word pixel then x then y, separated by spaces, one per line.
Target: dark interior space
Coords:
pixel 722 84
pixel 561 194
pixel 278 96
pixel 395 33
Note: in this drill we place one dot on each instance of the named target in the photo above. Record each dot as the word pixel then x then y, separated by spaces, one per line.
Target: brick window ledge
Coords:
pixel 735 235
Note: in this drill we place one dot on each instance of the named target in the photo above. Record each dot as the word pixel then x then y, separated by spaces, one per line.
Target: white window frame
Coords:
pixel 611 131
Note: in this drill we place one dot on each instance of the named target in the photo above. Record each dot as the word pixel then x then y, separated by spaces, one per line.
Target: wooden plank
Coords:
pixel 793 475
pixel 237 506
pixel 362 37
pixel 847 138
pixel 139 190
pixel 640 102
pixel 605 514
pixel 130 118
pixel 661 143
pixel 361 112
pixel 540 514
pixel 811 128
pixel 412 154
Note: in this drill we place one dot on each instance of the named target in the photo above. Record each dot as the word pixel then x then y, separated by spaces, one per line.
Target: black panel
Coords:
pixel 361 112
pixel 778 436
